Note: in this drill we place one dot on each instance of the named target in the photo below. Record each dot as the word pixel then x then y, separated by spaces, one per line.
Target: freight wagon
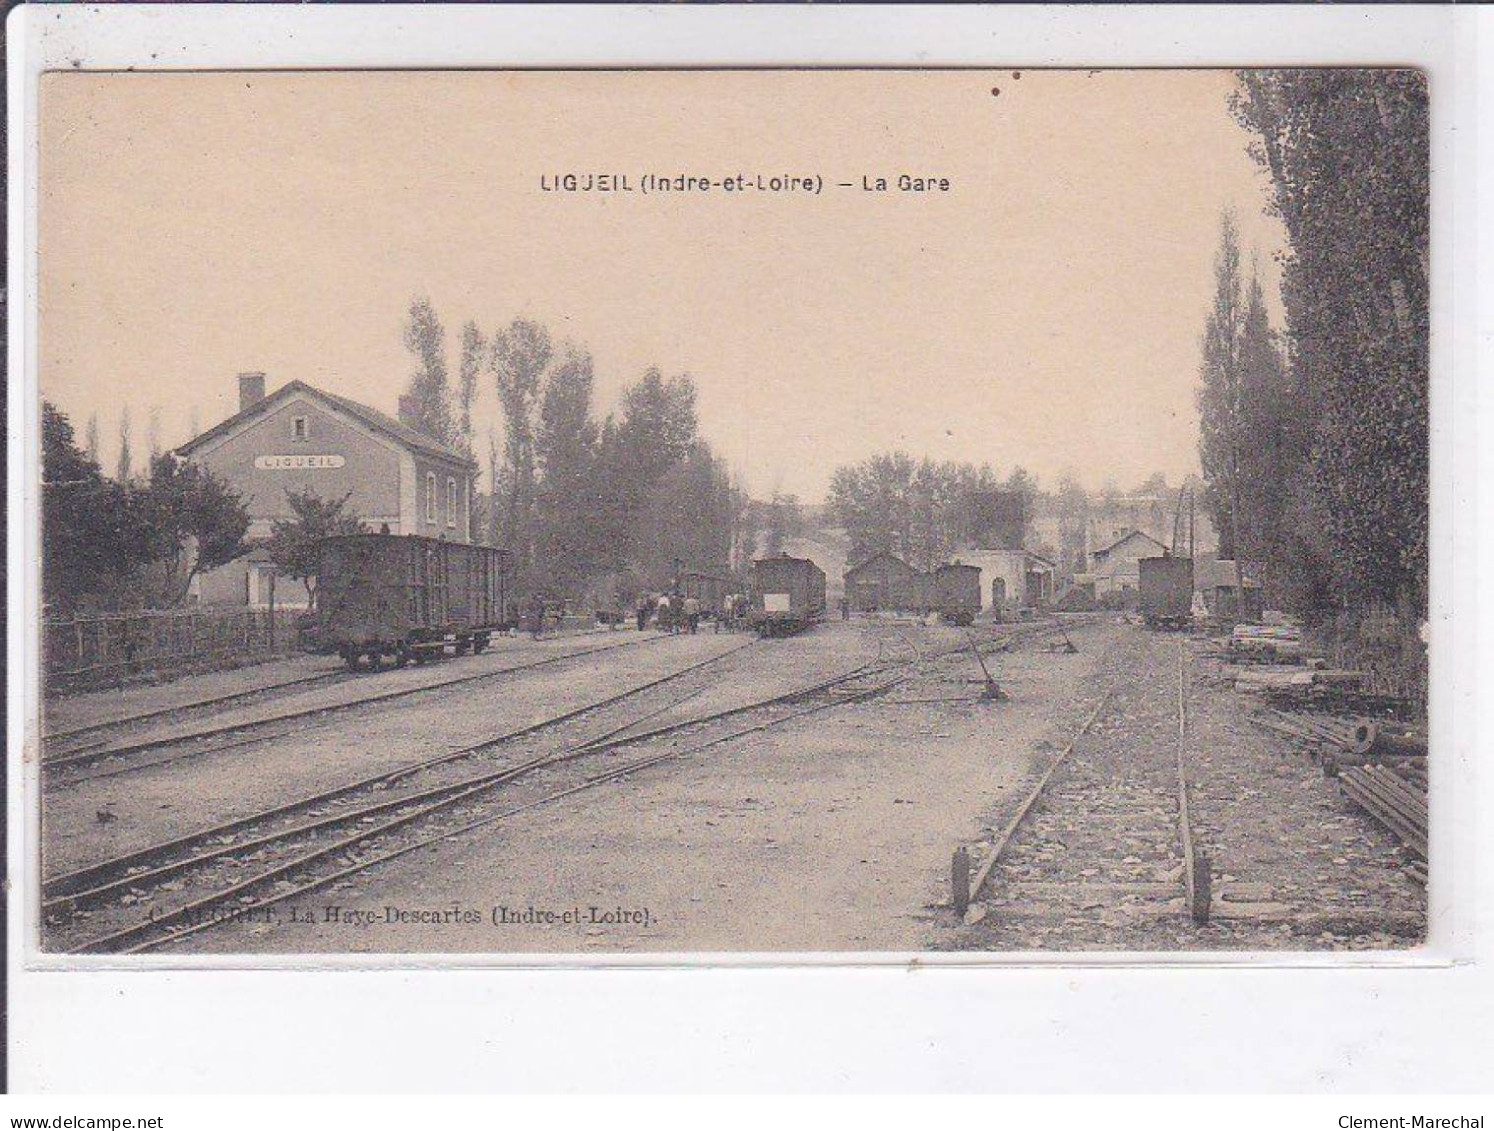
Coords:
pixel 402 598
pixel 788 594
pixel 956 595
pixel 1165 589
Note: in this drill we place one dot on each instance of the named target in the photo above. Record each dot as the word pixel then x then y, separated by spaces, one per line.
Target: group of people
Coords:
pixel 671 612
pixel 675 613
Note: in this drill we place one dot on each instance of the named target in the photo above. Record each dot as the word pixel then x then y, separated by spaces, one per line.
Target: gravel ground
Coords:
pixel 832 833
pixel 102 707
pixel 174 799
pixel 829 834
pixel 1097 864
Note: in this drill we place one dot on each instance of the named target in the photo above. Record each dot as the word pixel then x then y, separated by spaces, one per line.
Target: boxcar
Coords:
pixel 788 594
pixel 956 595
pixel 1166 591
pixel 387 596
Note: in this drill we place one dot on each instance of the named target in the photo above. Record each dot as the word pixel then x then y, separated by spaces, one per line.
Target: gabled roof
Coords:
pixel 399 432
pixel 878 556
pixel 1126 538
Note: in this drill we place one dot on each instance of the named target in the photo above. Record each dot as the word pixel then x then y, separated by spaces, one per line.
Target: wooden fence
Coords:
pixel 99 651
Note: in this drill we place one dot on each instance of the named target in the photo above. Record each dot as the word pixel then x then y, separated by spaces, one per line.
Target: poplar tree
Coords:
pixel 426 340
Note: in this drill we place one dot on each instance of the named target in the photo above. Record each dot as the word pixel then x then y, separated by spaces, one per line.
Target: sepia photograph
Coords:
pixel 846 512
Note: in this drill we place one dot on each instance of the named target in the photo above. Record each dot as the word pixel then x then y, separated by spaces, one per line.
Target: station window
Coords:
pixel 430 496
pixel 451 502
pixel 298 428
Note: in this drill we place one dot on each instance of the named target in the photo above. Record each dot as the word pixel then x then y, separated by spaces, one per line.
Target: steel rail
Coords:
pixel 1010 828
pixel 79 879
pixel 1197 883
pixel 137 937
pixel 93 755
pixel 58 737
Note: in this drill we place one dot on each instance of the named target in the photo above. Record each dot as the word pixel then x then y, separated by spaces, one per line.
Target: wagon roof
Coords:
pixel 370 417
pixel 370 535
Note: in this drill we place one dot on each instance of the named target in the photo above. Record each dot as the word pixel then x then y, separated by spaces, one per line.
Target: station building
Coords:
pixel 303 438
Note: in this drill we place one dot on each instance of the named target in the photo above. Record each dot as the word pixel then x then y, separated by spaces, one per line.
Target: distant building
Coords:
pixel 1113 570
pixel 303 438
pixel 1154 516
pixel 1012 579
pixel 884 581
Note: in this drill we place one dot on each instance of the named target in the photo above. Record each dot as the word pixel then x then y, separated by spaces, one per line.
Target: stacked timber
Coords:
pixel 1357 741
pixel 1380 765
pixel 1266 643
pixel 1398 800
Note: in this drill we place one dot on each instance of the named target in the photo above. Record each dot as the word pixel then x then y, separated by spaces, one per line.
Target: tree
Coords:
pixel 426 339
pixel 519 357
pixel 1348 156
pixel 568 498
pixel 687 517
pixel 657 432
pixel 91 445
pixel 1022 485
pixel 474 356
pixel 1073 523
pixel 193 521
pixel 294 543
pixel 1154 486
pixel 88 540
pixel 785 520
pixel 1219 400
pixel 924 512
pixel 153 433
pixel 123 468
pixel 492 500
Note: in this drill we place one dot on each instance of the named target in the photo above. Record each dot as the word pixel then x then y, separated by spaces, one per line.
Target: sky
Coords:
pixel 1045 311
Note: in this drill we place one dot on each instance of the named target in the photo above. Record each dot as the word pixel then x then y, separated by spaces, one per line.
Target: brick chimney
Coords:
pixel 409 410
pixel 251 389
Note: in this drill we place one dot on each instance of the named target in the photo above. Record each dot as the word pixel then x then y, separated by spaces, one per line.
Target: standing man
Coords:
pixel 692 614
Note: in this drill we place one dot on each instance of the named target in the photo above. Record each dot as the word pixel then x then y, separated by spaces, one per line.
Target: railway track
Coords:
pixel 568 724
pixel 243 869
pixel 77 736
pixel 91 762
pixel 1104 837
